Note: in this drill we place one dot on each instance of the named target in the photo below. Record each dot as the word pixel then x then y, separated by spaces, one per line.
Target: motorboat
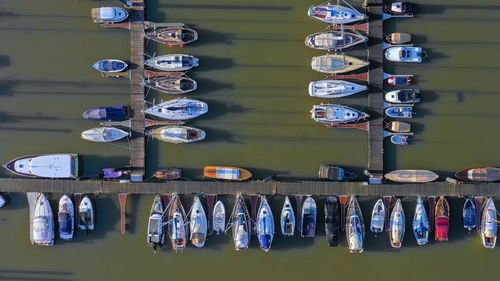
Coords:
pixel 219 215
pixel 308 218
pixel 287 219
pixel 398 38
pixel 403 96
pixel 66 218
pixel 337 114
pixel 108 15
pixel 332 221
pixel 264 226
pixel 45 166
pixel 399 111
pixel 86 211
pixel 489 225
pixel 405 54
pixel 173 85
pixel 178 109
pixel 421 225
pixel 413 176
pixel 177 226
pixel 156 234
pixel 378 217
pixel 355 227
pixel 336 63
pixel 171 34
pixel 172 62
pixel 104 134
pixel 43 222
pixel 334 14
pixel 3 201
pixel 469 214
pixel 177 134
pixel 335 173
pixel 226 173
pixel 400 139
pixel 198 225
pixel 109 113
pixel 479 174
pixel 398 127
pixel 442 215
pixel 334 88
pixel 168 174
pixel 240 221
pixel 402 8
pixel 399 80
pixel 397 225
pixel 334 40
pixel 110 65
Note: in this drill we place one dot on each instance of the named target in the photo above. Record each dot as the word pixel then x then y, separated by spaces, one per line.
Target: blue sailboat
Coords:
pixel 421 226
pixel 469 214
pixel 265 225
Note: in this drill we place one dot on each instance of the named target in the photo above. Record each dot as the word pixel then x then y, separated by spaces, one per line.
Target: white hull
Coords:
pixel 45 166
pixel 287 220
pixel 421 224
pixel 378 217
pixel 198 224
pixel 86 208
pixel 404 54
pixel 489 225
pixel 397 225
pixel 173 62
pixel 219 217
pixel 178 109
pixel 43 222
pixel 66 216
pixel 334 14
pixel 334 88
pixel 104 134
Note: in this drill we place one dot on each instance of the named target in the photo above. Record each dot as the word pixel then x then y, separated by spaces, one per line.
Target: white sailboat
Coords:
pixel 198 224
pixel 489 225
pixel 378 217
pixel 219 217
pixel 287 218
pixel 421 226
pixel 397 225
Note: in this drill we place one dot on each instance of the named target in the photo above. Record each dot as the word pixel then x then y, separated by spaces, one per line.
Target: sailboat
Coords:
pixel 66 218
pixel 240 224
pixel 334 88
pixel 469 214
pixel 177 134
pixel 334 40
pixel 334 14
pixel 397 225
pixel 172 62
pixel 173 85
pixel 421 226
pixel 332 221
pixel 287 218
pixel 355 227
pixel 309 218
pixel 177 226
pixel 43 222
pixel 178 109
pixel 198 225
pixel 336 63
pixel 489 225
pixel 337 114
pixel 86 210
pixel 219 215
pixel 442 220
pixel 264 226
pixel 171 34
pixel 378 217
pixel 104 134
pixel 156 235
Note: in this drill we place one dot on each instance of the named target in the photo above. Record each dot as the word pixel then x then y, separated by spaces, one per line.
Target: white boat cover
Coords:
pixel 198 224
pixel 227 173
pixel 219 217
pixel 107 13
pixel 104 134
pixel 47 166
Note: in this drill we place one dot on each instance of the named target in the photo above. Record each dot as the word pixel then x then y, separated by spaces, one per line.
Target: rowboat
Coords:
pixel 108 15
pixel 336 63
pixel 198 225
pixel 172 62
pixel 355 227
pixel 174 85
pixel 86 211
pixel 469 214
pixel 107 113
pixel 168 174
pixel 334 14
pixel 66 218
pixel 45 166
pixel 397 225
pixel 110 65
pixel 442 220
pixel 401 8
pixel 264 226
pixel 398 127
pixel 43 222
pixel 421 226
pixel 171 34
pixel 156 236
pixel 334 40
pixel 489 225
pixel 400 139
pixel 332 221
pixel 226 173
pixel 398 38
pixel 104 134
pixel 411 176
pixel 337 114
pixel 399 111
pixel 219 215
pixel 308 218
pixel 178 109
pixel 334 88
pixel 177 134
pixel 335 173
pixel 399 80
pixel 240 221
pixel 287 218
pixel 402 96
pixel 177 225
pixel 479 174
pixel 405 54
pixel 378 217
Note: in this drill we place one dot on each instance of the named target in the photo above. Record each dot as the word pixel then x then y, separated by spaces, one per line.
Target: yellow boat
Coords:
pixel 337 63
pixel 411 176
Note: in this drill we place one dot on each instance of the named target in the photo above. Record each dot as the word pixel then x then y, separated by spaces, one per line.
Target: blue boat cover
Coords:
pixel 64 223
pixel 106 113
pixel 110 65
pixel 469 216
pixel 309 226
pixel 265 241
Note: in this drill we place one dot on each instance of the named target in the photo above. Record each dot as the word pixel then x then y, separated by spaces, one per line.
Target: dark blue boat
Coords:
pixel 400 139
pixel 469 214
pixel 400 111
pixel 332 221
pixel 309 218
pixel 107 113
pixel 110 65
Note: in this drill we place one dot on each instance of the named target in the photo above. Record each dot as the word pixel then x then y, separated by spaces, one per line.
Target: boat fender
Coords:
pixel 170 45
pixel 182 45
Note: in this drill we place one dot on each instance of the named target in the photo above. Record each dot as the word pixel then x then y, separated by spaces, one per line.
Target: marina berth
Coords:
pixel 178 109
pixel 337 114
pixel 66 218
pixel 109 113
pixel 405 54
pixel 309 211
pixel 173 85
pixel 355 226
pixel 402 96
pixel 108 15
pixel 332 221
pixel 397 225
pixel 336 63
pixel 104 134
pixel 287 218
pixel 402 8
pixel 177 226
pixel 219 215
pixel 226 173
pixel 110 65
pixel 171 34
pixel 45 166
pixel 334 40
pixel 172 62
pixel 240 224
pixel 399 111
pixel 489 225
pixel 334 88
pixel 378 217
pixel 177 134
pixel 43 222
pixel 421 225
pixel 198 225
pixel 334 14
pixel 264 227
pixel 335 173
pixel 479 174
pixel 156 235
pixel 469 214
pixel 86 211
pixel 414 176
pixel 398 127
pixel 442 215
pixel 398 38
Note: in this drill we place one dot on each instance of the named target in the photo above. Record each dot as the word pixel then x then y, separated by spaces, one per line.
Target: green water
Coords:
pixel 254 70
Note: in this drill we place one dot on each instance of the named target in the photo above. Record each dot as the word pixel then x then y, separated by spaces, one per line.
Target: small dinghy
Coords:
pixel 172 62
pixel 421 226
pixel 399 111
pixel 219 215
pixel 240 224
pixel 308 218
pixel 398 38
pixel 108 15
pixel 402 8
pixel 337 114
pixel 264 227
pixel 287 219
pixel 110 65
pixel 335 173
pixel 177 226
pixel 397 225
pixel 104 134
pixel 198 225
pixel 177 134
pixel 399 80
pixel 43 222
pixel 334 14
pixel 86 210
pixel 178 109
pixel 332 221
pixel 109 113
pixel 66 218
pixel 442 215
pixel 403 96
pixel 156 236
pixel 479 174
pixel 400 139
pixel 411 176
pixel 336 63
pixel 334 88
pixel 226 173
pixel 334 40
pixel 171 34
pixel 398 127
pixel 355 227
pixel 405 54
pixel 45 166
pixel 469 214
pixel 173 85
pixel 378 217
pixel 168 174
pixel 489 225
pixel 2 201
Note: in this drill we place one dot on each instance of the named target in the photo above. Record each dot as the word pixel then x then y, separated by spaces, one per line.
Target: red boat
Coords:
pixel 442 220
pixel 479 174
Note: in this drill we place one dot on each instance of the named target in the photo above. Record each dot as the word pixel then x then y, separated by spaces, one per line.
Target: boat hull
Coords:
pixel 171 35
pixel 66 218
pixel 397 225
pixel 178 109
pixel 104 134
pixel 174 85
pixel 176 224
pixel 107 113
pixel 332 221
pixel 336 63
pixel 264 227
pixel 469 214
pixel 47 166
pixel 442 218
pixel 330 41
pixel 334 88
pixel 177 134
pixel 43 222
pixel 334 14
pixel 355 227
pixel 489 225
pixel 86 211
pixel 412 176
pixel 226 173
pixel 173 62
pixel 421 226
pixel 156 235
pixel 399 112
pixel 110 66
pixel 241 228
pixel 337 114
pixel 219 215
pixel 198 225
pixel 479 174
pixel 309 212
pixel 108 15
pixel 378 217
pixel 287 220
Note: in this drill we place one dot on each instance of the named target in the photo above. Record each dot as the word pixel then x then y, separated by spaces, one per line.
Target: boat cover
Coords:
pixel 110 173
pixel 106 113
pixel 65 223
pixel 110 65
pixel 227 173
pixel 308 225
pixel 442 225
pixel 48 166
